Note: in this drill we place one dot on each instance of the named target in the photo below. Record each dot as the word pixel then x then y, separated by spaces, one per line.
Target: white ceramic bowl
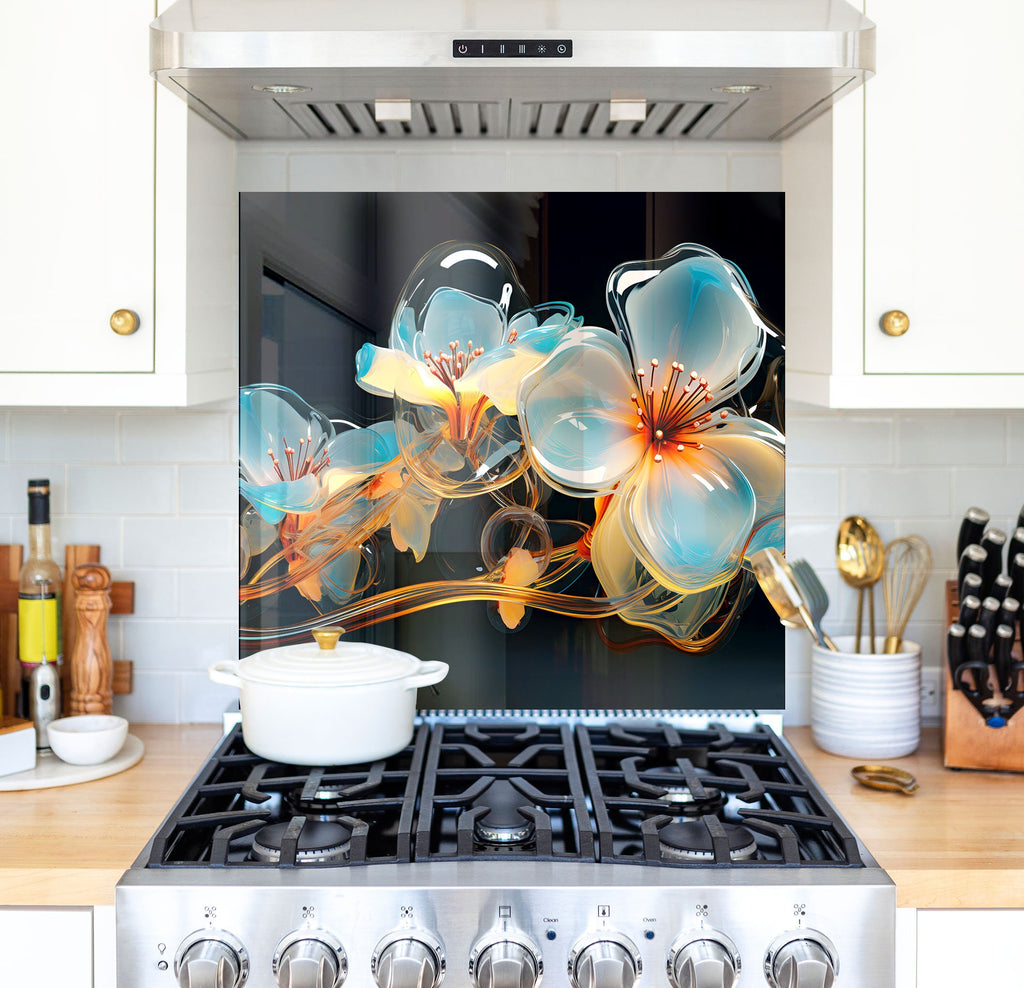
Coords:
pixel 88 739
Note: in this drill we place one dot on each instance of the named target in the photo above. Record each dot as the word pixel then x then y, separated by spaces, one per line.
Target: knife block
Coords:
pixel 967 741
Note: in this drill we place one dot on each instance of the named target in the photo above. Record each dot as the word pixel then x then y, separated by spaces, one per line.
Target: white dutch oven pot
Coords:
pixel 327 704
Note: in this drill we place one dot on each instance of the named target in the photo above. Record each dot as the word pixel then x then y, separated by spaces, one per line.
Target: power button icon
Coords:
pixel 463 49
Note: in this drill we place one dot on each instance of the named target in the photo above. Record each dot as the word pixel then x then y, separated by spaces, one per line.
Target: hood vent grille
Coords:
pixel 574 119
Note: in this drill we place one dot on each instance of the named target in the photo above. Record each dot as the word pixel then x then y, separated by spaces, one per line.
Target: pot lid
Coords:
pixel 343 664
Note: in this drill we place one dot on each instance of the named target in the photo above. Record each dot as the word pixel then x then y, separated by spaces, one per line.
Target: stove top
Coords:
pixel 640 793
pixel 495 852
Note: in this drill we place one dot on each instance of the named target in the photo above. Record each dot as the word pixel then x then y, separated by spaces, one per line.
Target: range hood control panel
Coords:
pixel 514 48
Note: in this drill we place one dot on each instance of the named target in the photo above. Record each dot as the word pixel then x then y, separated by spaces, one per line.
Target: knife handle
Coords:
pixel 989 618
pixel 1002 660
pixel 1001 587
pixel 955 650
pixel 972 560
pixel 970 608
pixel 977 662
pixel 1009 612
pixel 1016 545
pixel 1017 575
pixel 973 524
pixel 993 542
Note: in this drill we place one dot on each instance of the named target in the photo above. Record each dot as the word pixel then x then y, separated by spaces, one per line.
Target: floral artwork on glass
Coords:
pixel 620 465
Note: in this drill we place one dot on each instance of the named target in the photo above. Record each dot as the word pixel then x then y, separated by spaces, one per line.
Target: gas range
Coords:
pixel 495 852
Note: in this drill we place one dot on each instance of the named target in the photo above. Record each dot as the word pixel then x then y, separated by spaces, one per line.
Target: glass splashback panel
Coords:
pixel 534 435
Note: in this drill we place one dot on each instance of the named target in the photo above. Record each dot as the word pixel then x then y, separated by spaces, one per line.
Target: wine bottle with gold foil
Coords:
pixel 39 591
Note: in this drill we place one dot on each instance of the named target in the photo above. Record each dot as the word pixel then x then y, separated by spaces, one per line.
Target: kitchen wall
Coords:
pixel 156 489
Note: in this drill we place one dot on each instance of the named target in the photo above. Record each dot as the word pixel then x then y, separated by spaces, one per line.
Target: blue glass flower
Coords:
pixel 642 415
pixel 453 365
pixel 283 445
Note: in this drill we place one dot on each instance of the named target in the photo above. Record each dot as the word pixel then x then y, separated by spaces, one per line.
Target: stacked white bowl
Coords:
pixel 866 705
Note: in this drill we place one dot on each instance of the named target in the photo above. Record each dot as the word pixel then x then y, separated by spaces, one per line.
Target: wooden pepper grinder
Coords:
pixel 92 670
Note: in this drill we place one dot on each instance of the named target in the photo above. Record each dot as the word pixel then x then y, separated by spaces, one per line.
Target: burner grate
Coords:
pixel 644 793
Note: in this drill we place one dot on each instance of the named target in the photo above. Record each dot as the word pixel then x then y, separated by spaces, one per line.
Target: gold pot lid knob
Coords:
pixel 327 637
pixel 895 322
pixel 124 322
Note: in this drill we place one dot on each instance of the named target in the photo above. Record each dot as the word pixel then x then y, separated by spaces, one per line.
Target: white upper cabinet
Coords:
pixel 98 217
pixel 907 198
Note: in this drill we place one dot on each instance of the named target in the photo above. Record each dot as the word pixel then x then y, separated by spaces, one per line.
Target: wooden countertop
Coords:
pixel 958 843
pixel 69 845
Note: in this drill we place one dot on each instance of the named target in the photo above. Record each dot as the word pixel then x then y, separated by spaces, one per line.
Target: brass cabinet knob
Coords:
pixel 895 323
pixel 124 322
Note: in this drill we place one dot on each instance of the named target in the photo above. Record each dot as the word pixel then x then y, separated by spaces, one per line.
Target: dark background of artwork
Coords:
pixel 320 274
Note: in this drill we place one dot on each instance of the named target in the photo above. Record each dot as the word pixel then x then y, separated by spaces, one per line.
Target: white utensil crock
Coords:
pixel 863 705
pixel 304 705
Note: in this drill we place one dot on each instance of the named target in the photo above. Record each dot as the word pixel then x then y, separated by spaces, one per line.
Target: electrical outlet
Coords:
pixel 931 694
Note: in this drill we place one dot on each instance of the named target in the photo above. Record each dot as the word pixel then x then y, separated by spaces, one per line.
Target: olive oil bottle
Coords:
pixel 39 593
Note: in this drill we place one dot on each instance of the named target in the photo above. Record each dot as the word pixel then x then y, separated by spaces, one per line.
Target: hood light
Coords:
pixel 280 90
pixel 741 89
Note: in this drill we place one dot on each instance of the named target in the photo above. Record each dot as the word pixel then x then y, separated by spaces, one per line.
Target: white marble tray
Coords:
pixel 50 771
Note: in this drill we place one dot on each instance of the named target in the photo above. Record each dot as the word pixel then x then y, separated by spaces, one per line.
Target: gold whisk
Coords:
pixel 908 564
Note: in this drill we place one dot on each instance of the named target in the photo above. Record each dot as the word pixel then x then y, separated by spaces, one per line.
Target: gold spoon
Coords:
pixel 860 559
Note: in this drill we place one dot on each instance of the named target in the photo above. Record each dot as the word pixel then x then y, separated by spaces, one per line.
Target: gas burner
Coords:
pixel 691 841
pixel 319 843
pixel 682 802
pixel 502 824
pixel 326 803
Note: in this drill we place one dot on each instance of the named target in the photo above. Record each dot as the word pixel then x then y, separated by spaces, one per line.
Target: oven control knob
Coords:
pixel 211 959
pixel 801 959
pixel 505 961
pixel 409 959
pixel 310 959
pixel 606 960
pixel 705 960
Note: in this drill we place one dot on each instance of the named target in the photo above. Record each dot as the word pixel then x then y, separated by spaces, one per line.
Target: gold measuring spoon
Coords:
pixel 860 559
pixel 885 777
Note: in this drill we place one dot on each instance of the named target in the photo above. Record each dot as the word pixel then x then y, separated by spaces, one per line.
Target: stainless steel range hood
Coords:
pixel 492 69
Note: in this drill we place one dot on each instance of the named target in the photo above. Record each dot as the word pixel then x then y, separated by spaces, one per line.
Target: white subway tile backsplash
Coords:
pixel 812 493
pixel 817 440
pixel 180 541
pixel 208 594
pixel 14 480
pixel 999 490
pixel 156 592
pixel 1015 439
pixel 896 493
pixel 208 490
pixel 175 437
pixel 962 439
pixel 154 699
pixel 179 645
pixel 101 530
pixel 5 427
pixel 122 490
pixel 811 540
pixel 83 437
pixel 368 171
pixel 652 172
pixel 203 701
